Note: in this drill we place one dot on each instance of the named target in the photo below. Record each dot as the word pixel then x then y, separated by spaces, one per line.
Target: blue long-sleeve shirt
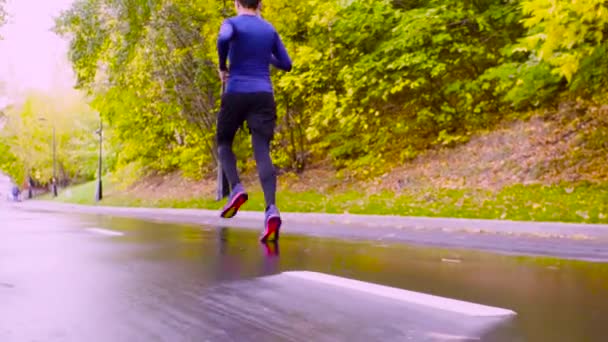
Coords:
pixel 251 44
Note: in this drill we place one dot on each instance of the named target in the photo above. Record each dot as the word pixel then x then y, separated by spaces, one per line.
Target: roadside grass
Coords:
pixel 566 202
pixel 77 194
pixel 489 177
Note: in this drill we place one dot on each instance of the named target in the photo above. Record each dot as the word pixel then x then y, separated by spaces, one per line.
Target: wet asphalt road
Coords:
pixel 551 239
pixel 96 278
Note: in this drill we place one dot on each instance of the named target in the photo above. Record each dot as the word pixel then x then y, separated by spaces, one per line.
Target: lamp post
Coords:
pixel 54 180
pixel 54 183
pixel 99 192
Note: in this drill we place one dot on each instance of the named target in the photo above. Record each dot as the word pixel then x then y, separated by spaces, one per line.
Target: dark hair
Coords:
pixel 251 4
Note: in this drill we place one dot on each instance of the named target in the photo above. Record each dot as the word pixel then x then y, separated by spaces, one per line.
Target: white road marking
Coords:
pixel 454 261
pixel 446 337
pixel 441 303
pixel 105 232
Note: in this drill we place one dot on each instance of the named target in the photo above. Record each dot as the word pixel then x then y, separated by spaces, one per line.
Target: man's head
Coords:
pixel 248 4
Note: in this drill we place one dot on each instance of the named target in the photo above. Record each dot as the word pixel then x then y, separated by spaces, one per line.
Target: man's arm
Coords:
pixel 223 43
pixel 274 61
pixel 280 57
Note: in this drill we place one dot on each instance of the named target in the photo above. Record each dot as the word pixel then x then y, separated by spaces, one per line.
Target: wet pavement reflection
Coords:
pixel 95 278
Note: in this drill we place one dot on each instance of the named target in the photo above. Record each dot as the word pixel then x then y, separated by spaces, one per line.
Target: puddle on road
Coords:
pixel 556 300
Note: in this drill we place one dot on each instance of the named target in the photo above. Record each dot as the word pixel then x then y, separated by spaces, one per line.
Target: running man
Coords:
pixel 251 44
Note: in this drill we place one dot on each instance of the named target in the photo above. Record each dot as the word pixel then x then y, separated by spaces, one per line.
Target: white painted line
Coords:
pixel 105 232
pixel 453 261
pixel 441 303
pixel 446 337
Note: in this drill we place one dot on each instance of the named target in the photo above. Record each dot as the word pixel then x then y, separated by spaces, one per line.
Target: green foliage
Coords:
pixel 26 141
pixel 571 37
pixel 374 82
pixel 157 81
pixel 592 78
pixel 383 76
pixel 9 163
pixel 529 84
pixel 565 44
pixel 564 32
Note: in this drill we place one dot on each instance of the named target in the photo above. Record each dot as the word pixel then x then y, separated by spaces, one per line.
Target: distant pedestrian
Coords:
pixel 15 192
pixel 30 187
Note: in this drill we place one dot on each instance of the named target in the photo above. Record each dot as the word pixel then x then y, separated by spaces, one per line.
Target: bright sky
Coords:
pixel 31 55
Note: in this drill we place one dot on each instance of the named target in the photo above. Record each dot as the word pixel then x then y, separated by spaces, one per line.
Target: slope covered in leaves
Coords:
pixel 547 148
pixel 567 146
pixel 547 167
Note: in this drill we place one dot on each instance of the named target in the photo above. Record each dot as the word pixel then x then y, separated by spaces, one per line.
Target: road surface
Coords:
pixel 71 277
pixel 564 240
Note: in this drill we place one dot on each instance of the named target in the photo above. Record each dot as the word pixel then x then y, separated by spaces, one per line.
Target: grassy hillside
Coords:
pixel 547 167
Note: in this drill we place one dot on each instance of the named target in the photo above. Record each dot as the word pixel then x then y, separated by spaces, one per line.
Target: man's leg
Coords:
pixel 262 121
pixel 228 162
pixel 229 120
pixel 266 171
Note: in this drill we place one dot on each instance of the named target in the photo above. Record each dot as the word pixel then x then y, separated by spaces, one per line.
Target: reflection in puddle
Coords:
pixel 556 300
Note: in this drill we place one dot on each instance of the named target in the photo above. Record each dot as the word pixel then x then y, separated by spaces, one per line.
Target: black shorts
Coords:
pixel 258 109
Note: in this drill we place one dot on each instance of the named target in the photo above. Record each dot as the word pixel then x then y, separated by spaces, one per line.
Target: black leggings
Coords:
pixel 259 110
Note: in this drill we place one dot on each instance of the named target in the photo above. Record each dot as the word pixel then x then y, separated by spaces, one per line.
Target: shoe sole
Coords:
pixel 273 228
pixel 235 205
